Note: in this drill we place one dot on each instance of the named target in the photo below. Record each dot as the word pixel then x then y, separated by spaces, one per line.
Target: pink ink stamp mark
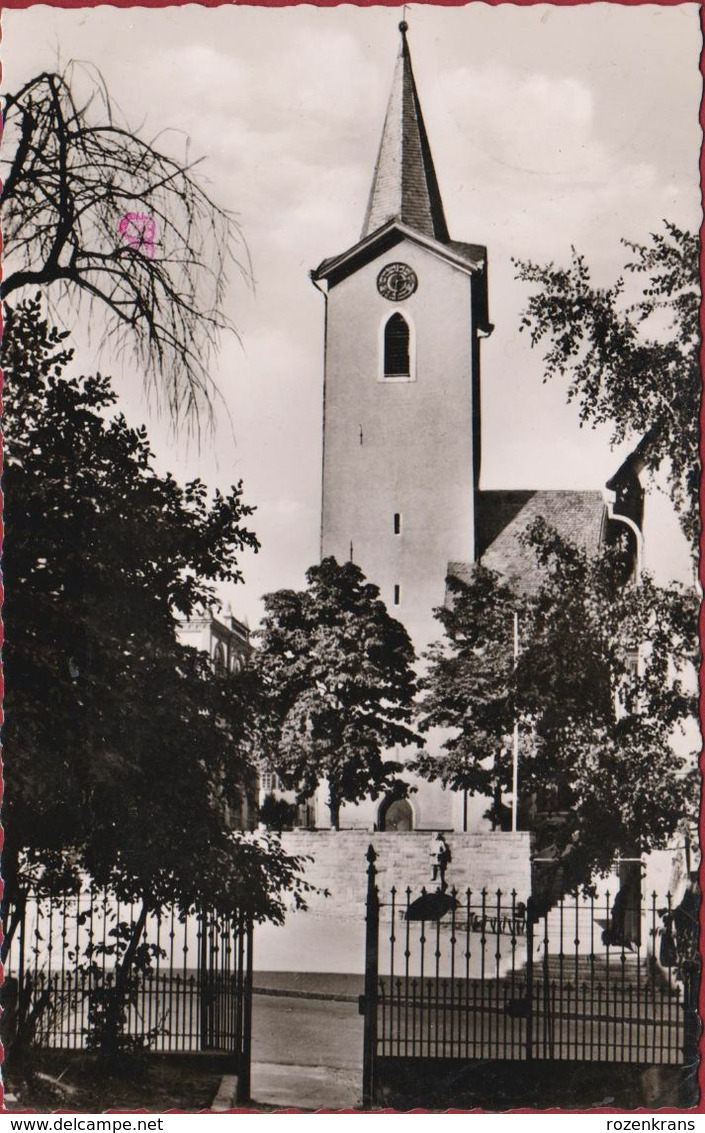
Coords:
pixel 138 230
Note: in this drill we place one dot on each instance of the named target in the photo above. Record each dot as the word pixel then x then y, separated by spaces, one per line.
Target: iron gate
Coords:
pixel 193 994
pixel 480 977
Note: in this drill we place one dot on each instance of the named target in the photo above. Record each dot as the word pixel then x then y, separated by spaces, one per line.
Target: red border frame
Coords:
pixel 21 4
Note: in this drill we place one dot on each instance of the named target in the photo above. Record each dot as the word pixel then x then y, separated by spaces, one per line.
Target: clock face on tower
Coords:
pixel 396 282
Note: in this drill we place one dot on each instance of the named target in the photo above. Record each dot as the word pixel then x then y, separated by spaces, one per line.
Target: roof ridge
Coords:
pixel 540 491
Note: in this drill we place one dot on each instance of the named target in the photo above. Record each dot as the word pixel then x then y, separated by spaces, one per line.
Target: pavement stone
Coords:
pixel 304 1087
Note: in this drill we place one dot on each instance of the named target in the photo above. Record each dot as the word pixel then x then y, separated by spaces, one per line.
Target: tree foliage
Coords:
pixel 632 360
pixel 123 748
pixel 604 692
pixel 470 687
pixel 93 212
pixel 337 686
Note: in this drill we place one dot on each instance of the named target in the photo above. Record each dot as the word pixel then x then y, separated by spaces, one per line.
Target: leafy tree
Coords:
pixel 632 360
pixel 113 727
pixel 608 684
pixel 470 688
pixel 337 686
pixel 604 692
pixel 93 212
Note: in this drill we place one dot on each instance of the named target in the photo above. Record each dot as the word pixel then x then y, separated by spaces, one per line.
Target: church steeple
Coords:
pixel 406 308
pixel 404 186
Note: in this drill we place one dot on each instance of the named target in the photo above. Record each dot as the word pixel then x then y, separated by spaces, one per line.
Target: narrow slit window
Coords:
pixel 397 594
pixel 397 523
pixel 396 347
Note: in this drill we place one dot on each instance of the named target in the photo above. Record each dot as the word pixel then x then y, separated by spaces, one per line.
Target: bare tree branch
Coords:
pixel 108 218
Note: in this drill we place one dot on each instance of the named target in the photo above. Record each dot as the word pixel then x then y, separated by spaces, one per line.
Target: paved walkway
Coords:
pixel 304 1087
pixel 306 1040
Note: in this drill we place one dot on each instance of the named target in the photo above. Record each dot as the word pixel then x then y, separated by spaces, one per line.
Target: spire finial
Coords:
pixel 403 26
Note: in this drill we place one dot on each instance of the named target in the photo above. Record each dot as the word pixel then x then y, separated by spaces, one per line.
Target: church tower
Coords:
pixel 406 307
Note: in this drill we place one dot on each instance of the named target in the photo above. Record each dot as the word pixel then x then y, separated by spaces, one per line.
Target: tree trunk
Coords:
pixel 110 1039
pixel 334 808
pixel 12 899
pixel 10 926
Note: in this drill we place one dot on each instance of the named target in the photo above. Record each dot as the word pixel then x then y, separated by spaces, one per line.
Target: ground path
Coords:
pixel 306 1052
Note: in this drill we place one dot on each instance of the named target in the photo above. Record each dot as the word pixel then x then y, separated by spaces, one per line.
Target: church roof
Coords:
pixel 404 186
pixel 503 517
pixel 467 257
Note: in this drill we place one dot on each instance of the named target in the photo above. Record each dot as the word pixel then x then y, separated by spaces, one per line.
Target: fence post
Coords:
pixel 686 920
pixel 203 980
pixel 530 920
pixel 369 1046
pixel 691 1033
pixel 23 985
pixel 245 1060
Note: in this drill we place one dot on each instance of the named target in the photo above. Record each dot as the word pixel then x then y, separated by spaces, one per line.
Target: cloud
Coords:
pixel 528 123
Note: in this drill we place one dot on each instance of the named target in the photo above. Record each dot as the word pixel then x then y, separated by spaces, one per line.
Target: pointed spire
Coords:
pixel 404 186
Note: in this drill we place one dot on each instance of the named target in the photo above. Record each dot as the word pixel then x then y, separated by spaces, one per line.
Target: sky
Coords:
pixel 550 128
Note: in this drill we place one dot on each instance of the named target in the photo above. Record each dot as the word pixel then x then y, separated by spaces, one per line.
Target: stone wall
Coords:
pixel 338 863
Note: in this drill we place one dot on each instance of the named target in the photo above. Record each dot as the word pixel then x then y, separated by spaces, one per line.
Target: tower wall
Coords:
pixel 400 446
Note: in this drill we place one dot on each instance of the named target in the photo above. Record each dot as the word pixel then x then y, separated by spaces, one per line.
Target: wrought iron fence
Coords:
pixel 478 975
pixel 190 991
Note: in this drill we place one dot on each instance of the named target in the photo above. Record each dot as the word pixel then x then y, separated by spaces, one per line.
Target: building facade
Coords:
pixel 226 640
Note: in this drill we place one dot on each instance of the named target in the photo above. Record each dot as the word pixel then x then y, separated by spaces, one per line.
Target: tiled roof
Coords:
pixel 404 186
pixel 473 253
pixel 503 517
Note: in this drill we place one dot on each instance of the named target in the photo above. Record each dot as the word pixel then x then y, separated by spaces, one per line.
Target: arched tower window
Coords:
pixel 219 656
pixel 397 353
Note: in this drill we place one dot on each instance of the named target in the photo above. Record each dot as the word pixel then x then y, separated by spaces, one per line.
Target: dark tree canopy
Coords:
pixel 123 748
pixel 92 212
pixel 604 692
pixel 337 686
pixel 630 351
pixel 470 687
